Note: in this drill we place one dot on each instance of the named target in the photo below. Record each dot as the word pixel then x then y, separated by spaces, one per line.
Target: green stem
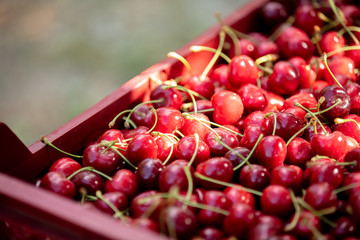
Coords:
pixel 234 39
pixel 298 132
pixel 250 154
pixel 112 123
pixel 196 48
pixel 123 157
pixel 316 213
pixel 341 121
pixel 47 142
pixel 346 187
pixel 181 59
pixel 190 184
pixel 290 226
pixel 89 168
pixel 297 104
pixel 324 58
pixel 275 121
pixel 126 123
pixel 196 137
pixel 117 213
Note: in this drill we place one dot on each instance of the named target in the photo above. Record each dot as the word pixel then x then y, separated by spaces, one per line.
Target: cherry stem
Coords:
pixel 47 142
pixel 181 59
pixel 232 150
pixel 117 213
pixel 170 140
pixel 196 137
pixel 203 206
pixel 337 13
pixel 112 123
pixel 89 168
pixel 190 184
pixel 123 157
pixel 325 110
pixel 290 226
pixel 316 213
pixel 297 104
pixel 152 109
pixel 107 144
pixel 346 187
pixel 226 184
pixel 298 132
pixel 324 58
pixel 204 110
pixel 266 58
pixel 215 57
pixel 197 48
pixel 275 121
pixel 279 30
pixel 83 193
pixel 188 91
pixel 250 154
pixel 341 121
pixel 126 123
pixel 234 38
pixel 343 49
pixel 131 122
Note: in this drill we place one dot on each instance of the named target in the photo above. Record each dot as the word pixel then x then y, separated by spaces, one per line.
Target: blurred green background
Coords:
pixel 58 58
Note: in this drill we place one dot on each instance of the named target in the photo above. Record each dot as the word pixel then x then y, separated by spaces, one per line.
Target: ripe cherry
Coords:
pixel 320 196
pixel 306 18
pixel 168 120
pixel 271 151
pixel 331 41
pixel 252 97
pixel 58 183
pixel 148 173
pixel 238 195
pixel 335 95
pixel 240 219
pixel 276 200
pixel 242 70
pixel 187 147
pixel 284 79
pixel 216 139
pixel 228 107
pixel 255 177
pixel 141 147
pixel 289 176
pixel 195 123
pixel 299 152
pixel 170 97
pixel 123 181
pixel 88 180
pixel 117 199
pixel 65 165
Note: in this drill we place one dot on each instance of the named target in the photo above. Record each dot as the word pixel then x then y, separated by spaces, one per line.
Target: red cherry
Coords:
pixel 65 165
pixel 204 87
pixel 306 99
pixel 168 120
pixel 306 18
pixel 88 180
pixel 266 227
pixel 299 152
pixel 340 66
pixel 309 132
pixel 148 173
pixel 320 196
pixel 352 179
pixel 353 89
pixel 166 144
pixel 254 177
pixel 228 107
pixel 210 233
pixel 117 199
pixel 307 75
pixel 264 48
pixel 129 134
pixel 141 147
pixel 284 79
pixel 354 55
pixel 350 128
pixel 331 41
pixel 187 147
pixel 334 94
pixel 254 118
pixel 241 217
pixel 112 135
pixel 274 13
pixel 242 70
pixel 245 46
pixel 219 134
pixel 238 195
pixel 146 223
pixel 289 176
pixel 147 203
pixel 58 183
pixel 318 66
pixel 302 227
pixel 141 117
pixel 194 124
pixel 276 200
pixel 170 97
pixel 329 172
pixel 252 97
pixel 271 151
pixel 353 156
pixel 123 181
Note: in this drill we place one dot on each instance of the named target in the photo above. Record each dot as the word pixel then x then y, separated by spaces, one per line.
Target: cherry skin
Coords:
pixel 331 94
pixel 274 13
pixel 276 200
pixel 216 199
pixel 218 168
pixel 307 75
pixel 96 156
pixel 56 182
pixel 196 123
pixel 187 147
pixel 345 227
pixel 265 227
pixel 228 107
pixel 245 46
pixel 306 99
pixel 233 156
pixel 88 180
pixel 284 79
pixel 252 97
pixel 170 97
pixel 318 66
pixel 271 151
pixel 242 70
pixel 302 227
pixel 310 132
pixel 255 177
pixel 241 217
pixel 148 173
pixel 352 179
pixel 65 165
pixel 210 233
pixel 166 145
pixel 299 152
pixel 148 204
pixel 204 87
pixel 132 133
pixel 306 18
pixel 353 156
pixel 340 66
pixel 251 135
pixel 353 89
pixel 118 199
pixel 141 147
pixel 289 176
pixel 146 223
pixel 141 116
pixel 112 135
pixel 123 181
pixel 168 120
pixel 254 118
pixel 238 195
pixel 226 137
pixel 331 41
pixel 264 48
pixel 174 175
pixel 320 196
pixel 350 128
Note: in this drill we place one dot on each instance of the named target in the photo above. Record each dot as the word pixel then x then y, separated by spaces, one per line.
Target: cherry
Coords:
pixel 353 89
pixel 320 196
pixel 88 180
pixel 217 168
pixel 251 135
pixel 213 199
pixel 65 165
pixel 354 201
pixel 265 227
pixel 141 147
pixel 306 18
pixel 289 176
pixel 298 112
pixel 123 181
pixel 235 154
pixel 116 199
pixel 264 48
pixel 254 177
pixel 245 46
pixel 238 195
pixel 187 147
pixel 334 94
pixel 216 139
pixel 252 97
pixel 274 13
pixel 305 223
pixel 318 66
pixel 353 157
pixel 58 183
pixel 141 116
pixel 354 55
pixel 147 204
pixel 210 233
pixel 105 160
pixel 242 70
pixel 307 75
pixel 205 106
pixel 130 134
pixel 254 118
pixel 349 126
pixel 178 222
pixel 345 227
pixel 112 135
pixel 241 217
pixel 146 223
pixel 306 99
pixel 228 107
pixel 276 200
pixel 195 123
pixel 174 175
pixel 310 131
pixel 340 66
pixel 166 146
pixel 352 179
pixel 168 120
pixel 299 152
pixel 271 151
pixel 329 172
pixel 275 102
pixel 284 79
pixel 203 86
pixel 331 41
pixel 148 173
pixel 170 97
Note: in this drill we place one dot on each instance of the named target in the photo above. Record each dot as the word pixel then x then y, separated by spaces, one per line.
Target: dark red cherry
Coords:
pixel 245 46
pixel 170 97
pixel 88 180
pixel 310 131
pixel 271 151
pixel 276 200
pixel 226 137
pixel 265 227
pixel 117 199
pixel 205 87
pixel 252 97
pixel 242 70
pixel 353 89
pixel 254 118
pixel 299 152
pixel 123 181
pixel 273 13
pixel 353 156
pixel 112 135
pixel 345 227
pixel 254 177
pixel 187 147
pixel 210 233
pixel 106 161
pixel 147 204
pixel 129 134
pixel 306 18
pixel 289 176
pixel 331 94
pixel 228 107
pixel 352 179
pixel 218 168
pixel 215 199
pixel 320 196
pixel 233 156
pixel 240 219
pixel 142 117
pixel 141 147
pixel 264 48
pixel 284 79
pixel 146 223
pixel 148 173
pixel 65 165
pixel 331 41
pixel 303 227
pixel 58 183
pixel 251 135
pixel 238 195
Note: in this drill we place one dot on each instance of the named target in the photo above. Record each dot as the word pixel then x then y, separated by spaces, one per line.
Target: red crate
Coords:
pixel 61 218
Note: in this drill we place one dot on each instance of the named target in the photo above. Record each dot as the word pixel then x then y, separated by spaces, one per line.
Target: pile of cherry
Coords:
pixel 264 144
